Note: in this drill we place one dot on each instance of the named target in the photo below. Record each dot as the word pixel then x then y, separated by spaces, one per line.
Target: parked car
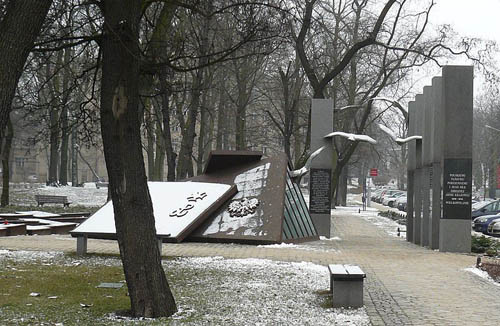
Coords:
pixel 387 193
pixel 481 223
pixel 480 204
pixel 401 203
pixel 494 228
pixel 488 209
pixel 390 199
pixel 375 194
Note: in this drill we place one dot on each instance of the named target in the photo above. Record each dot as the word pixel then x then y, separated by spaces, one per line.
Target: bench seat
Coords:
pixel 52 199
pixel 346 284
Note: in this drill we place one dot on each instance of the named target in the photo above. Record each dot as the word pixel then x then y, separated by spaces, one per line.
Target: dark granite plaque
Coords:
pixel 457 189
pixel 319 189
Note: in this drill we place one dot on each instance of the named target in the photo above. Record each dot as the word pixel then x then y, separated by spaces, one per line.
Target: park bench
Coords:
pixel 52 199
pixel 346 285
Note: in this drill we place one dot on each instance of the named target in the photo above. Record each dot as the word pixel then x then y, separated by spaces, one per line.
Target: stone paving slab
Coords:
pixel 405 285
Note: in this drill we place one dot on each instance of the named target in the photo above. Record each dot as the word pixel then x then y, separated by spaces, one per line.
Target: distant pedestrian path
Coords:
pixel 405 285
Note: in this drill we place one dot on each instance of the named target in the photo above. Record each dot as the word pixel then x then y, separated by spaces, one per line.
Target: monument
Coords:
pixel 240 197
pixel 456 104
pixel 321 165
pixel 441 168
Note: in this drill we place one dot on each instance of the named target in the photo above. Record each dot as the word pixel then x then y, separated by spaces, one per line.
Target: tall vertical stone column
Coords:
pixel 426 165
pixel 321 166
pixel 410 173
pixel 457 98
pixel 437 155
pixel 417 197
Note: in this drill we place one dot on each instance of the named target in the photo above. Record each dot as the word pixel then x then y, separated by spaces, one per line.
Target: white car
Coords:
pixel 494 228
pixel 389 200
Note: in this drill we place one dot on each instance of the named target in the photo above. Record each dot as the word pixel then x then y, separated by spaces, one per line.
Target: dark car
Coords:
pixel 490 209
pixel 481 223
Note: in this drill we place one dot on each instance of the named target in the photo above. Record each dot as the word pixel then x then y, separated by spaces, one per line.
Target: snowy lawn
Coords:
pixel 53 289
pixel 88 195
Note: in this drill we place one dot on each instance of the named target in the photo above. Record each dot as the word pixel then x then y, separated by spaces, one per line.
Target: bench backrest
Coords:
pixel 51 198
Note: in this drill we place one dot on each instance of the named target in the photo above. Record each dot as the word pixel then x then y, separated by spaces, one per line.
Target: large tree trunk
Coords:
pixel 63 169
pixel 160 153
pixel 150 294
pixel 74 157
pixel 19 27
pixel 54 145
pixel 221 114
pixel 150 138
pixel 185 163
pixel 167 135
pixel 5 164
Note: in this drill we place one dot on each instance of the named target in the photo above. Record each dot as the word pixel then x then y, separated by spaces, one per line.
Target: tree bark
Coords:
pixel 5 164
pixel 19 27
pixel 150 294
pixel 167 134
pixel 54 145
pixel 221 113
pixel 74 157
pixel 63 169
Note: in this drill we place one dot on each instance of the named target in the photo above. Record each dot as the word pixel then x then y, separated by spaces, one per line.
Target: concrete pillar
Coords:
pixel 436 156
pixel 321 166
pixel 417 201
pixel 411 165
pixel 426 165
pixel 81 245
pixel 457 101
pixel 160 244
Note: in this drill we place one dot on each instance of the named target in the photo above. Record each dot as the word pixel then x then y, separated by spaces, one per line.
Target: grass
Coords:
pixel 71 285
pixel 208 291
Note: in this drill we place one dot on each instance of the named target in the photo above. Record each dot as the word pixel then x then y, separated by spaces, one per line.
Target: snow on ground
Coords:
pixel 482 274
pixel 218 291
pixel 263 292
pixel 88 195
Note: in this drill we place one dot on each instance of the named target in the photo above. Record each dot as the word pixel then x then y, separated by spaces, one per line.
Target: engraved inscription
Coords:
pixel 319 201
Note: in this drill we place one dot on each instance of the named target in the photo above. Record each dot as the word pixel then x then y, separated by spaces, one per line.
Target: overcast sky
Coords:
pixel 476 18
pixel 469 18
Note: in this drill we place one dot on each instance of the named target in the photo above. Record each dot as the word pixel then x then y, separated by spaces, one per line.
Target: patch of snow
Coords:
pixel 279 245
pixel 330 239
pixel 482 274
pixel 186 202
pixel 83 196
pixel 352 137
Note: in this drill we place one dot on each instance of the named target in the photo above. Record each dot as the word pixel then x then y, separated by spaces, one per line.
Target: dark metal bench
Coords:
pixel 52 199
pixel 346 284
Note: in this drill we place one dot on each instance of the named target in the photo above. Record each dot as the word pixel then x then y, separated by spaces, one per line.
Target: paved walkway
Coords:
pixel 405 285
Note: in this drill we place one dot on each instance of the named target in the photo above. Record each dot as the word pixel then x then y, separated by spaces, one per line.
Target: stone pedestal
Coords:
pixel 457 101
pixel 320 172
pixel 436 156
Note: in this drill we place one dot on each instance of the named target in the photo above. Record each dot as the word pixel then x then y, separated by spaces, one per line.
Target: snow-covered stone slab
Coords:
pixel 178 207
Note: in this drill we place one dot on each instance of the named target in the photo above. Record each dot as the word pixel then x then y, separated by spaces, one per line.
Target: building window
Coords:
pixel 20 162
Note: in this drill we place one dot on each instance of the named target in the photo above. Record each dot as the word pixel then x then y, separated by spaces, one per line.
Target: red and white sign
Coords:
pixel 373 172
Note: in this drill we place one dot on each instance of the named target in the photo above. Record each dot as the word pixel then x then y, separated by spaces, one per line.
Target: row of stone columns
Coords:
pixel 440 164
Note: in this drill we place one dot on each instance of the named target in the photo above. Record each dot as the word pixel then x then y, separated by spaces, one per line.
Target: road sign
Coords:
pixel 373 172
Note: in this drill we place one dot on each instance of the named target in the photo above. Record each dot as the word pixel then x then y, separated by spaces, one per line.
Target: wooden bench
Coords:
pixel 346 284
pixel 52 199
